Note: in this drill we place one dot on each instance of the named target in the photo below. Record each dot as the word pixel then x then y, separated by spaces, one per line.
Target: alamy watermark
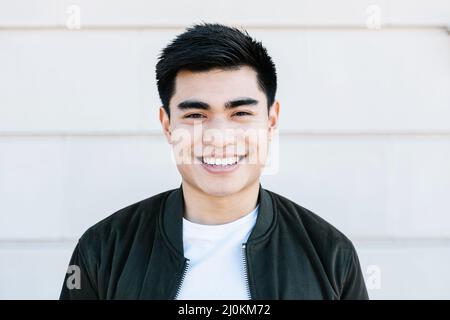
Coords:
pixel 73 20
pixel 373 280
pixel 74 279
pixel 373 17
pixel 257 145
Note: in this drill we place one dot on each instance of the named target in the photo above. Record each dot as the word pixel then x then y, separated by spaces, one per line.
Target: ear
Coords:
pixel 165 124
pixel 274 113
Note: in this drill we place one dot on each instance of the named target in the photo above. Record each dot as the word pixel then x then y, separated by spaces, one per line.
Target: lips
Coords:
pixel 222 161
pixel 220 165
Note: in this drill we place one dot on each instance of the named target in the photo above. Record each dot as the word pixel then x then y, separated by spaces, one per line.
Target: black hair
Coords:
pixel 210 45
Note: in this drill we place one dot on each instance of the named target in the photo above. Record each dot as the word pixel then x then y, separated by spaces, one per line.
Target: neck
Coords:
pixel 203 208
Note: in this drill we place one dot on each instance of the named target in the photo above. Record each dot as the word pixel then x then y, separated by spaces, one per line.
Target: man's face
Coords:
pixel 219 129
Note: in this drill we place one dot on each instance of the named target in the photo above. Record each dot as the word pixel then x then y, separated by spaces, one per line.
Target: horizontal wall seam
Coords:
pixel 300 27
pixel 157 133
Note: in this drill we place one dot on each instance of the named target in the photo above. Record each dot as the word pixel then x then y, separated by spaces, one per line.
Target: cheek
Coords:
pixel 182 147
pixel 258 148
pixel 187 142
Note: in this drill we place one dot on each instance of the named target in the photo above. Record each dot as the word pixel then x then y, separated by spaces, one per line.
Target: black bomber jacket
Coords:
pixel 137 253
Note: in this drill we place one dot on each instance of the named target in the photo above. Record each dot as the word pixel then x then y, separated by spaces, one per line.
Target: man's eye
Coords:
pixel 194 116
pixel 242 113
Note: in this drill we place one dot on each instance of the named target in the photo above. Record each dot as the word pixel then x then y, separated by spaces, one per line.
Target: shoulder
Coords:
pixel 122 224
pixel 319 232
pixel 323 242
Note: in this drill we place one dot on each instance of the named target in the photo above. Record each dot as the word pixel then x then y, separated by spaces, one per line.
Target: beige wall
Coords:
pixel 364 132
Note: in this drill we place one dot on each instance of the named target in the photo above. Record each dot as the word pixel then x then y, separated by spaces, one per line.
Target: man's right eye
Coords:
pixel 194 115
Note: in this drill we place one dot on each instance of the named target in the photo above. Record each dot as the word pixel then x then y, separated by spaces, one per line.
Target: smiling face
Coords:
pixel 219 128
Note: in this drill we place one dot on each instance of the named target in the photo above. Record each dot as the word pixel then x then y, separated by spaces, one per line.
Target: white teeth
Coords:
pixel 221 161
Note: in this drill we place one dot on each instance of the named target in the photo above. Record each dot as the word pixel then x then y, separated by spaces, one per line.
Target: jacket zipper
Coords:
pixel 185 269
pixel 247 285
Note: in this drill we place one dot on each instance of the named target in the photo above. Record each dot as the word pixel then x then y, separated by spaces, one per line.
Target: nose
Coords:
pixel 220 137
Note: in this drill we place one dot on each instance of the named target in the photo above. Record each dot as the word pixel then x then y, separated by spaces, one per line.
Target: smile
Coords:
pixel 220 165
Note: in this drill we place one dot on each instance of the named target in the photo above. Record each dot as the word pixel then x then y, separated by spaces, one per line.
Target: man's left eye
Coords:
pixel 242 113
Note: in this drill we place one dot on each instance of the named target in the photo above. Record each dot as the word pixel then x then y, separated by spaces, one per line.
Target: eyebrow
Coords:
pixel 196 104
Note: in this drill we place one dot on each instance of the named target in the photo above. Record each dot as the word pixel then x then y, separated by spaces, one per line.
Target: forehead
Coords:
pixel 216 85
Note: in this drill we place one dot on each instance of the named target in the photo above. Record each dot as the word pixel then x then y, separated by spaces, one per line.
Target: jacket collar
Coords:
pixel 172 219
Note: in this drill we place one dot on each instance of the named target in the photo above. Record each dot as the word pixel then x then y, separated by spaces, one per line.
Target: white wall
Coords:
pixel 365 127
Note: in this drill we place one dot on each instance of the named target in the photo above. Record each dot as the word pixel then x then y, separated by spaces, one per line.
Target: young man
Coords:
pixel 220 235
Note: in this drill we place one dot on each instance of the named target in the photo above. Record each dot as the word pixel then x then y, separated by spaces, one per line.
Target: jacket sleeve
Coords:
pixel 78 283
pixel 354 287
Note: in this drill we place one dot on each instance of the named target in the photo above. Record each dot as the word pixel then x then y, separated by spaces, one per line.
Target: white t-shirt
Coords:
pixel 216 266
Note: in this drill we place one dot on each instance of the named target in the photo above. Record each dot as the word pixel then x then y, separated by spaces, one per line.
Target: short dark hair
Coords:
pixel 210 45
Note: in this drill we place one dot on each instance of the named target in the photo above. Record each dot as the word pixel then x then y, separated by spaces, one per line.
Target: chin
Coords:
pixel 219 191
pixel 223 189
